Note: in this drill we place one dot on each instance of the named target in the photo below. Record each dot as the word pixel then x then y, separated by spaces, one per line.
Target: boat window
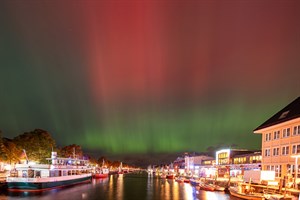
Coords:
pixel 24 173
pixel 38 174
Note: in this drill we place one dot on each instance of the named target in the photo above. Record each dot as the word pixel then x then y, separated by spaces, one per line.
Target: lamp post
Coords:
pixel 296 168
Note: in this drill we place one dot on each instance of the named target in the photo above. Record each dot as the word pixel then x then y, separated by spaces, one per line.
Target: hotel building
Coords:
pixel 281 141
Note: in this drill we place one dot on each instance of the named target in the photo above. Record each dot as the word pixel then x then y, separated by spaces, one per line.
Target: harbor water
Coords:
pixel 131 186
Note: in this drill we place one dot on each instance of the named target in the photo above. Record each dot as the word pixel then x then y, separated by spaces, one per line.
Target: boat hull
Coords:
pixel 170 176
pixel 100 175
pixel 206 187
pixel 194 182
pixel 186 180
pixel 246 196
pixel 47 185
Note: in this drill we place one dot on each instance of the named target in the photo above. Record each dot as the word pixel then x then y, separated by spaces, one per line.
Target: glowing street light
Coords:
pixel 296 168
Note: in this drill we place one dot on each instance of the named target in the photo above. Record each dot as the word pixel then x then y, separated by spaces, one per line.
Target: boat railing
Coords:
pixel 70 167
pixel 18 179
pixel 41 166
pixel 43 179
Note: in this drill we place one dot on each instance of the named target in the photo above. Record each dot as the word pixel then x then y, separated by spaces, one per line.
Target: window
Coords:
pixel 296 149
pixel 267 152
pixel 296 130
pixel 286 132
pixel 292 170
pixel 276 151
pixel 268 136
pixel 285 150
pixel 255 159
pixel 276 135
pixel 277 169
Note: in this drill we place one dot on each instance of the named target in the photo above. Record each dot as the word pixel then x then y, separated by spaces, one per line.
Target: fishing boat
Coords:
pixel 101 172
pixel 61 172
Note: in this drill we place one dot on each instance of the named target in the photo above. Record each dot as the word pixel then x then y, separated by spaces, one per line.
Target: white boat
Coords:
pixel 37 177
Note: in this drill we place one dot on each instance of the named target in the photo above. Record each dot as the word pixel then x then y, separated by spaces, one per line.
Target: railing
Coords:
pixel 43 179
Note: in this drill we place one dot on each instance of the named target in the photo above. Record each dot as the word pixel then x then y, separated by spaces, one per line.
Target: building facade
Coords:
pixel 233 162
pixel 281 141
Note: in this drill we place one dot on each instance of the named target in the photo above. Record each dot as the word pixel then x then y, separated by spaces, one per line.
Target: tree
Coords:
pixel 9 151
pixel 37 143
pixel 72 151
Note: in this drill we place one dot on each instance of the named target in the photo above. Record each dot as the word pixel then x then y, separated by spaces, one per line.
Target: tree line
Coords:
pixel 37 145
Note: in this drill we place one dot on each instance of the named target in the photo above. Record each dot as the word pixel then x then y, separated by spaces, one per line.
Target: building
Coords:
pixel 281 141
pixel 194 162
pixel 233 162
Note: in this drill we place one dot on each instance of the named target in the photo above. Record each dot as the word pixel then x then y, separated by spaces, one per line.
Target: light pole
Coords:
pixel 296 168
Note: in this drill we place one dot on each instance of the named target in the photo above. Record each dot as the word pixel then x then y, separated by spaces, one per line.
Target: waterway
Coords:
pixel 133 186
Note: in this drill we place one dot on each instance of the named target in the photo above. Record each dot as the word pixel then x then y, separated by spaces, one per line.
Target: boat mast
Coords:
pixel 25 156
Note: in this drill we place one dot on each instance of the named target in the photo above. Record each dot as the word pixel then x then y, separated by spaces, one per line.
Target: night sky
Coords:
pixel 127 77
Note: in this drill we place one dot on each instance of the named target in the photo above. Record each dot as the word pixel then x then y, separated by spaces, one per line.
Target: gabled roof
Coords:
pixel 289 112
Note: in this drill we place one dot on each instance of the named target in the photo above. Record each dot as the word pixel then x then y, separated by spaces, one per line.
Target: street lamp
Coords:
pixel 296 168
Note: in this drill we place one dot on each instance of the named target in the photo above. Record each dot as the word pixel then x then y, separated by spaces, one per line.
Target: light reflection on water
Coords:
pixel 123 187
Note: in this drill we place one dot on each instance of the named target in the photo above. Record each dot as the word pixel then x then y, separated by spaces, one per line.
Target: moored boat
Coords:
pixel 163 176
pixel 170 176
pixel 186 180
pixel 218 188
pixel 37 177
pixel 245 194
pixel 101 172
pixel 120 169
pixel 179 179
pixel 206 187
pixel 195 182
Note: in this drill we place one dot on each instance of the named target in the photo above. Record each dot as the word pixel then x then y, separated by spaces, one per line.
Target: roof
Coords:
pixel 289 112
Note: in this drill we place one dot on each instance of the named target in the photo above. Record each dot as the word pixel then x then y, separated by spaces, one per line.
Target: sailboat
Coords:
pixel 120 170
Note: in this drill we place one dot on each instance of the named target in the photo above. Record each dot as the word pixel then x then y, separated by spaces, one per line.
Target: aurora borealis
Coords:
pixel 147 76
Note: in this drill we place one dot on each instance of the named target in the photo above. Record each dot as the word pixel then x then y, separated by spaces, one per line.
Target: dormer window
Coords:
pixel 284 114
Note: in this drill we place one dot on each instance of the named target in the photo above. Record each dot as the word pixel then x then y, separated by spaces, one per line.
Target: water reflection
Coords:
pixel 120 188
pixel 124 187
pixel 188 191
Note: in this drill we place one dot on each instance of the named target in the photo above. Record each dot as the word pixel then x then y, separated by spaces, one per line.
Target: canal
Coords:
pixel 124 187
